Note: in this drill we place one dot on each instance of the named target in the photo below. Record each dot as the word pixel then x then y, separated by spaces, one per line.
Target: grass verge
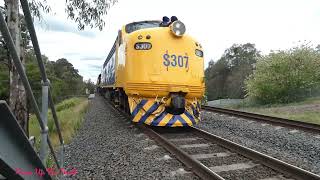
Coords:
pixel 70 115
pixel 305 111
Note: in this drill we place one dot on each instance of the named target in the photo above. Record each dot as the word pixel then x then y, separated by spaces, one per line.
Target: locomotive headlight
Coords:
pixel 178 28
pixel 199 53
pixel 142 46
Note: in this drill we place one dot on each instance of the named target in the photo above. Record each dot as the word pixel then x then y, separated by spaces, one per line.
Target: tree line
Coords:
pixel 278 77
pixel 65 80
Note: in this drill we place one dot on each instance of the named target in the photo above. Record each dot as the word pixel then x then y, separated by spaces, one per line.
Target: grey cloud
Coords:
pixel 96 67
pixel 71 54
pixel 89 58
pixel 92 72
pixel 55 24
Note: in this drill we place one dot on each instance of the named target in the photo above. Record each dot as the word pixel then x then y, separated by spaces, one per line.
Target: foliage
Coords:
pixel 84 12
pixel 5 64
pixel 64 78
pixel 225 78
pixel 4 70
pixel 66 104
pixel 4 82
pixel 37 6
pixel 90 86
pixel 70 119
pixel 285 76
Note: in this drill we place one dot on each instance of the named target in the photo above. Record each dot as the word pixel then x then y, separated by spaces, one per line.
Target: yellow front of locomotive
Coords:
pixel 164 76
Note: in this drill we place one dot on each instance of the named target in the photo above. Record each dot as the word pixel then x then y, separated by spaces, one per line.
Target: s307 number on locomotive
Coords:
pixel 175 60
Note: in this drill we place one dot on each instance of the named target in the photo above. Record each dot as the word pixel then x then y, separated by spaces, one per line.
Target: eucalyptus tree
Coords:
pixel 225 78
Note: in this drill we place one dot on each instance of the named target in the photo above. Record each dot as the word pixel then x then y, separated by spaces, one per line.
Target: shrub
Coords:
pixel 67 104
pixel 285 76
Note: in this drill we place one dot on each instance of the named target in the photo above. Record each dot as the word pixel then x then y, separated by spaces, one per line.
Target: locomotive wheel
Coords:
pixel 127 109
pixel 124 104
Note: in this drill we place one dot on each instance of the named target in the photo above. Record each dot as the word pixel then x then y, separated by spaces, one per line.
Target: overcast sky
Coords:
pixel 270 24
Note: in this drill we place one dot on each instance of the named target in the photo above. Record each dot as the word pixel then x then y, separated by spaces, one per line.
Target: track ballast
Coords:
pixel 314 128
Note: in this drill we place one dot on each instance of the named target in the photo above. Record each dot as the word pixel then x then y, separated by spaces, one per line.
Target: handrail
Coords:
pixel 46 93
pixel 34 39
pixel 16 60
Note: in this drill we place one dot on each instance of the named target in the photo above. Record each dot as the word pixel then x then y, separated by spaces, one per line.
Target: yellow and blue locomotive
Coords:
pixel 155 73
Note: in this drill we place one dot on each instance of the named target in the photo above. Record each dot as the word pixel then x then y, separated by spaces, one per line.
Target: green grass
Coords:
pixel 70 115
pixel 306 111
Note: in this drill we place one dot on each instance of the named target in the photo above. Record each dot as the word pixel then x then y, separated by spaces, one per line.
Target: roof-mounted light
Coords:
pixel 178 28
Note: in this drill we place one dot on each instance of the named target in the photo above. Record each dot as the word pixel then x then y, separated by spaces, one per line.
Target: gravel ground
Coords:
pixel 109 147
pixel 295 147
pixel 258 172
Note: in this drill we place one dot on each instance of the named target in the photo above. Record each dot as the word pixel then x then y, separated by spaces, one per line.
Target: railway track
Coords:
pixel 314 128
pixel 213 157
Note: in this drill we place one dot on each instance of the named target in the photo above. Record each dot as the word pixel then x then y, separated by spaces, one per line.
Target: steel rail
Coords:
pixel 264 159
pixel 270 119
pixel 197 167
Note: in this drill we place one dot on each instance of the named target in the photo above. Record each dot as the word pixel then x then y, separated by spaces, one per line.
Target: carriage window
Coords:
pixel 141 25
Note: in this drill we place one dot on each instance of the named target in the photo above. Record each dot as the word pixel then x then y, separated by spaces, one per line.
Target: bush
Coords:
pixel 67 104
pixel 285 76
pixel 70 116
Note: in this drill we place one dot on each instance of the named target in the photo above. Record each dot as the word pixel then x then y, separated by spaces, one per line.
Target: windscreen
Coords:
pixel 141 25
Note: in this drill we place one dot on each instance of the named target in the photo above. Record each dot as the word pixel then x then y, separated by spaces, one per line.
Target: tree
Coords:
pixel 285 76
pixel 64 78
pixel 4 70
pixel 65 71
pixel 81 11
pixel 225 78
pixel 216 75
pixel 88 13
pixel 17 97
pixel 90 86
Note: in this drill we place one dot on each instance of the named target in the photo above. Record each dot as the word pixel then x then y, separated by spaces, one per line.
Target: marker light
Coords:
pixel 199 53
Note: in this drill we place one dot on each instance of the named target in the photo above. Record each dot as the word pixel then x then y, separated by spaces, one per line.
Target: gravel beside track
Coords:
pixel 107 146
pixel 295 147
